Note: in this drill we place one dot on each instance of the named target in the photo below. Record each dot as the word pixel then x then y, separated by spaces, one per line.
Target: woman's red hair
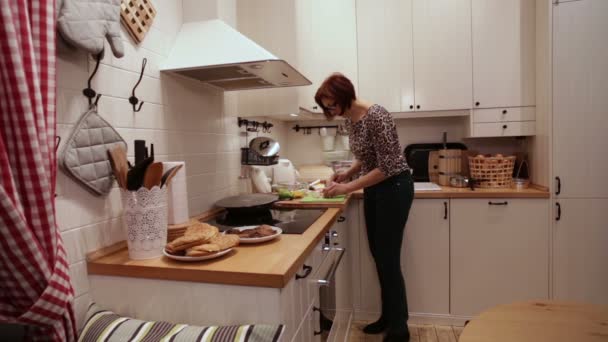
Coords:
pixel 338 88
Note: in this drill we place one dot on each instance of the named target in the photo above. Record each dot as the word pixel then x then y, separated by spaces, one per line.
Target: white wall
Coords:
pixel 183 119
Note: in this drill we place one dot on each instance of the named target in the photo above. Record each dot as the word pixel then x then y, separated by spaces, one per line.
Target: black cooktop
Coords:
pixel 291 221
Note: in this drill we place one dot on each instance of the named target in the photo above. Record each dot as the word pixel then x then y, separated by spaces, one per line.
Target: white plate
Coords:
pixel 197 258
pixel 278 231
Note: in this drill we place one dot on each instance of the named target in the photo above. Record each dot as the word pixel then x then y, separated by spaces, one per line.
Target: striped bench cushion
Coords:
pixel 104 325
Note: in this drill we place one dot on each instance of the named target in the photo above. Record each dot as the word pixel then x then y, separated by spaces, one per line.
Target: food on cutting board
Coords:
pixel 258 232
pixel 285 194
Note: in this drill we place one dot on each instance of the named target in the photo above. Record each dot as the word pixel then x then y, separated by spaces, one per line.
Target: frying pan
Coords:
pixel 247 204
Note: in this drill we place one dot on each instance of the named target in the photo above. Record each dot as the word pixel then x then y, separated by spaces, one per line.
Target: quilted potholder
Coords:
pixel 85 156
pixel 86 23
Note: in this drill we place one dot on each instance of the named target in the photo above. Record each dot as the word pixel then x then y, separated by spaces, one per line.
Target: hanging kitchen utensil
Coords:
pixel 87 24
pixel 84 157
pixel 137 16
pixel 264 146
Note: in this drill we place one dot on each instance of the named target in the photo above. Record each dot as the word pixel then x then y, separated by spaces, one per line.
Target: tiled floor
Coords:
pixel 419 333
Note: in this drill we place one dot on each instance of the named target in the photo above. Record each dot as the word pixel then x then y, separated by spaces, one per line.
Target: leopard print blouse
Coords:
pixel 375 143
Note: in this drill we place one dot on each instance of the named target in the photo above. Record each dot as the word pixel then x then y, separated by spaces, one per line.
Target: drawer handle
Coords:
pixel 504 126
pixel 307 270
pixel 477 104
pixel 498 203
pixel 504 111
pixel 341 219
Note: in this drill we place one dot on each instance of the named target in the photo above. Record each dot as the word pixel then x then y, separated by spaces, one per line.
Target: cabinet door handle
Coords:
pixel 307 270
pixel 559 185
pixel 504 126
pixel 504 111
pixel 477 104
pixel 417 106
pixel 498 203
pixel 445 210
pixel 411 106
pixel 559 211
pixel 320 331
pixel 341 219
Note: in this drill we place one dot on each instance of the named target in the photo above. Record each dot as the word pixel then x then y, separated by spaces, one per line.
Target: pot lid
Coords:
pixel 246 201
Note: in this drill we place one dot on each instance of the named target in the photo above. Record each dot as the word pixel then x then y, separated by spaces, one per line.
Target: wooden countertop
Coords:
pixel 539 321
pixel 270 264
pixel 533 191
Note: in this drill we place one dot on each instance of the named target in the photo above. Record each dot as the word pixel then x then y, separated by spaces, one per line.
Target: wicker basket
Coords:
pixel 492 172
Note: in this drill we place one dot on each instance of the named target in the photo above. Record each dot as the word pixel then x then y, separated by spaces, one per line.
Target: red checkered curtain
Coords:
pixel 34 275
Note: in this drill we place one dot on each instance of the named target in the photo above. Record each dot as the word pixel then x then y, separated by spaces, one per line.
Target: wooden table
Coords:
pixel 539 321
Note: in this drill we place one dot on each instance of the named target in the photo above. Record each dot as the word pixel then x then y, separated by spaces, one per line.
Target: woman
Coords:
pixel 388 193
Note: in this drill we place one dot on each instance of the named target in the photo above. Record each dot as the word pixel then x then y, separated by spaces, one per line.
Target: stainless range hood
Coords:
pixel 213 52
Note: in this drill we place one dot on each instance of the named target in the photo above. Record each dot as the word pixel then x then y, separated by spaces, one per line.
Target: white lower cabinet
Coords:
pixel 424 261
pixel 425 257
pixel 498 253
pixel 580 251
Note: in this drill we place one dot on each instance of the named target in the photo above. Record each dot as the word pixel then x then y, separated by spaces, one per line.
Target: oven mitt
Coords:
pixel 86 23
pixel 85 156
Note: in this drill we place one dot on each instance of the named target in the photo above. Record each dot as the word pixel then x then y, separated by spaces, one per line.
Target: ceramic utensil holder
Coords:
pixel 145 219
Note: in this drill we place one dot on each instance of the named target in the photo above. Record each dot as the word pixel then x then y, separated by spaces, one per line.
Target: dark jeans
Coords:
pixel 387 206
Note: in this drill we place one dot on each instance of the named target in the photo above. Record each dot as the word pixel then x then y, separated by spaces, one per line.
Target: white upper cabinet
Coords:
pixel 580 100
pixel 269 23
pixel 385 53
pixel 503 53
pixel 442 54
pixel 326 42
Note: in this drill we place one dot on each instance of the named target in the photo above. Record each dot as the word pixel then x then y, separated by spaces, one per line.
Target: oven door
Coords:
pixel 332 325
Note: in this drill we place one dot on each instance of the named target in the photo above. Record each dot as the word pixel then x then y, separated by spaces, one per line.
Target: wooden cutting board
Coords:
pixel 434 166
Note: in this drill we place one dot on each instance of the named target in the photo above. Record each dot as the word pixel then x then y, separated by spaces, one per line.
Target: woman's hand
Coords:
pixel 339 177
pixel 336 189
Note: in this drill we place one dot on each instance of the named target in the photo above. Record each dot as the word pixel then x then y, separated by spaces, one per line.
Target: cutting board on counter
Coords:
pixel 310 199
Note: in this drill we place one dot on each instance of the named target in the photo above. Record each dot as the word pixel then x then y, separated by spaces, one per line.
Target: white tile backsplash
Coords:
pixel 80 281
pixel 183 118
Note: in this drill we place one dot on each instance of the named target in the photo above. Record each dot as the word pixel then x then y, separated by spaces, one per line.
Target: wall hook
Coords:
pixel 88 91
pixel 133 99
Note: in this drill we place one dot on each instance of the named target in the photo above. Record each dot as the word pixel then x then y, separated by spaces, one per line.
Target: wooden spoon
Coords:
pixel 153 176
pixel 118 161
pixel 169 175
